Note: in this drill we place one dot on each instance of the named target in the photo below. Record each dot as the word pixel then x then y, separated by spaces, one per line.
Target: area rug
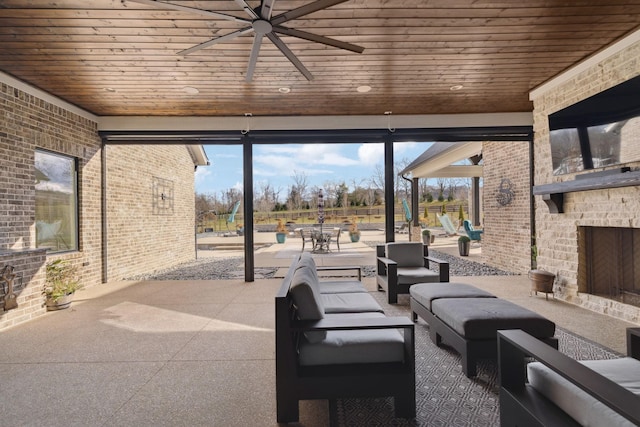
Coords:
pixel 444 395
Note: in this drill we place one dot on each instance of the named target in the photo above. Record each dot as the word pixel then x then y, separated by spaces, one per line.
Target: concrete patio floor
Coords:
pixel 193 353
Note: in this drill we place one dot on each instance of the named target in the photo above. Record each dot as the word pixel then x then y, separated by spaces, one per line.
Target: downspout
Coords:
pixel 414 199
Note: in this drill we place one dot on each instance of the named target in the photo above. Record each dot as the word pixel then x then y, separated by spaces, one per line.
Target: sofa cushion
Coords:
pixel 306 297
pixel 340 286
pixel 481 318
pixel 349 303
pixel 406 254
pixel 411 275
pixel 581 406
pixel 354 346
pixel 307 261
pixel 427 292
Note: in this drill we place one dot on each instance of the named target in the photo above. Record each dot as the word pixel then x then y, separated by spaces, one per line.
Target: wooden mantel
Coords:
pixel 553 194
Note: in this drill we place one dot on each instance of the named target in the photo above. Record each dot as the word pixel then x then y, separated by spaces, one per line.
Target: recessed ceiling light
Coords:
pixel 456 87
pixel 284 89
pixel 190 90
pixel 363 89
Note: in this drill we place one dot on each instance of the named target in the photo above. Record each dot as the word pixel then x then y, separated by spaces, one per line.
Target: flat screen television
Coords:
pixel 600 131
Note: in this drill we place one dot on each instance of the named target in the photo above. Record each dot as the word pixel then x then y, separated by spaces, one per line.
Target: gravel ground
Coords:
pixel 233 268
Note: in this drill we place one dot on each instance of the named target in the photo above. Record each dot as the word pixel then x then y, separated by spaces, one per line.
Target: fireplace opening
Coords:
pixel 606 263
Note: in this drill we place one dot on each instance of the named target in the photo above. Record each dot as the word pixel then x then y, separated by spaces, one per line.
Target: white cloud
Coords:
pixel 283 160
pixel 371 154
pixel 201 174
pixel 238 186
pixel 403 147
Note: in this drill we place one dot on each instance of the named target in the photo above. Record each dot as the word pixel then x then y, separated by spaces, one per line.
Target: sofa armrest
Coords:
pixel 342 268
pixel 515 345
pixel 443 267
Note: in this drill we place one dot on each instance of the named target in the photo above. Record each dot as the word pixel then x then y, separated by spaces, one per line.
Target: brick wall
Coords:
pixel 618 207
pixel 27 123
pixel 150 208
pixel 147 240
pixel 506 241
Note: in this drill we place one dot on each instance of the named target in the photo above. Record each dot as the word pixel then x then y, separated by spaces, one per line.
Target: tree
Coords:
pixel 299 189
pixel 441 183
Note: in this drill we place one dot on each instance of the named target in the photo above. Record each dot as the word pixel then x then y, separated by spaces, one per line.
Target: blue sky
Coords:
pixel 277 163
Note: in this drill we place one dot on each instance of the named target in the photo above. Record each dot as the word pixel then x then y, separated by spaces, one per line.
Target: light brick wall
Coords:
pixel 145 232
pixel 506 241
pixel 27 123
pixel 146 243
pixel 617 207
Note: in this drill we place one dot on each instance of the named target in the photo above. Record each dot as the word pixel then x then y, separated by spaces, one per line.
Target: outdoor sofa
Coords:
pixel 334 341
pixel 557 390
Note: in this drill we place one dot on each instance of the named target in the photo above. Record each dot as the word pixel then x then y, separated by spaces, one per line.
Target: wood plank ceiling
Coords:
pixel 117 57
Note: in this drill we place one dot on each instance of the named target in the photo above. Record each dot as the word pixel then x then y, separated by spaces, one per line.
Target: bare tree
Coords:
pixel 377 179
pixel 298 191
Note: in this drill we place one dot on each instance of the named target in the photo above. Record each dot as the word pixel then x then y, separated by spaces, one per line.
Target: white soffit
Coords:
pixel 445 160
pixel 199 155
pixel 455 171
pixel 591 61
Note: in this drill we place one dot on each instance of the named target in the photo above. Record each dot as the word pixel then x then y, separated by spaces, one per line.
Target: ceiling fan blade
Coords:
pixel 290 56
pixel 318 39
pixel 266 9
pixel 252 13
pixel 217 40
pixel 304 10
pixel 253 59
pixel 171 6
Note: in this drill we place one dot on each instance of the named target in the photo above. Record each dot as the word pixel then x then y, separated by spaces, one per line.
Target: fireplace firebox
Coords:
pixel 607 260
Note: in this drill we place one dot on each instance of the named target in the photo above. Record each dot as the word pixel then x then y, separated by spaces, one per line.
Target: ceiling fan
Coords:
pixel 262 24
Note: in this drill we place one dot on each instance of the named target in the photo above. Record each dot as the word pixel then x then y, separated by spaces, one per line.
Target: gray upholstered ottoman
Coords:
pixel 468 318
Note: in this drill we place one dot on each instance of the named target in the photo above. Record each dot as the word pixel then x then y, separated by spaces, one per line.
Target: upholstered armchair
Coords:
pixel 402 264
pixel 471 232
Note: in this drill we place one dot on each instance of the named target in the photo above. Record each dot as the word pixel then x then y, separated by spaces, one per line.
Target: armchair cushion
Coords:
pixel 412 275
pixel 406 254
pixel 354 346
